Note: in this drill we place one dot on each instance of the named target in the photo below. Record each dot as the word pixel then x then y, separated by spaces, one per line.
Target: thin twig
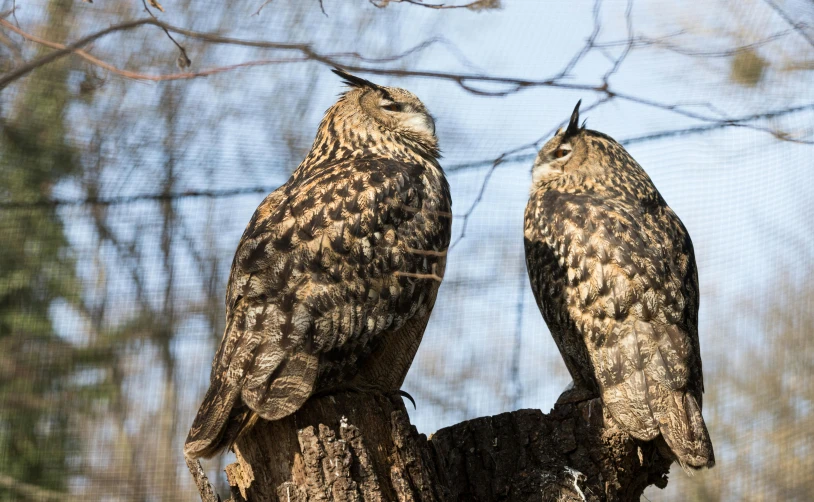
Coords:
pixel 261 7
pixel 662 43
pixel 798 27
pixel 514 368
pixel 589 43
pixel 433 277
pixel 509 157
pixel 130 199
pixel 203 73
pixel 153 78
pixel 477 201
pixel 463 80
pixel 618 61
pixel 183 60
pixel 426 252
pixel 410 209
pixel 470 5
pixel 201 481
pixel 33 492
pixel 14 12
pixel 13 75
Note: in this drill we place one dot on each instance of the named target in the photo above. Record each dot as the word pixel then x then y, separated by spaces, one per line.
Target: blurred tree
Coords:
pixel 763 425
pixel 145 288
pixel 36 269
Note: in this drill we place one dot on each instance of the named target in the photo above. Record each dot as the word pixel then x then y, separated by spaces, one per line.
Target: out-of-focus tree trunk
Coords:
pixel 363 447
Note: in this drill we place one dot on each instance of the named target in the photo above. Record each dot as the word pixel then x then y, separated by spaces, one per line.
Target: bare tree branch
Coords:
pixel 14 11
pixel 11 76
pixel 204 73
pixel 664 43
pixel 589 44
pixel 628 46
pixel 183 59
pixel 201 481
pixel 798 27
pixel 462 79
pixel 507 157
pixel 476 5
pixel 141 76
pixel 33 492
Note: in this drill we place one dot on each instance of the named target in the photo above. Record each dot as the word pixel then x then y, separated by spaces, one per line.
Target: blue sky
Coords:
pixel 744 195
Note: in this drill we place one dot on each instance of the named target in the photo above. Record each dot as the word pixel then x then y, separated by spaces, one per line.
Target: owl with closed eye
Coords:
pixel 337 272
pixel 613 272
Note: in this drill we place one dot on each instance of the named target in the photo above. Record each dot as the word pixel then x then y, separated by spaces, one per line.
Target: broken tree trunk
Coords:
pixel 361 447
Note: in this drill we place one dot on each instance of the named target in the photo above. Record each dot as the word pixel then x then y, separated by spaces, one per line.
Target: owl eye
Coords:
pixel 561 152
pixel 392 107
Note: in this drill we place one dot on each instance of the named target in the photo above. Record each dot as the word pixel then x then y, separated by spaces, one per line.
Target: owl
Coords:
pixel 337 272
pixel 613 272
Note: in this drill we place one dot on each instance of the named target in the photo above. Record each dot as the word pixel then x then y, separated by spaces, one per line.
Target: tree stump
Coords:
pixel 362 447
pixel 343 447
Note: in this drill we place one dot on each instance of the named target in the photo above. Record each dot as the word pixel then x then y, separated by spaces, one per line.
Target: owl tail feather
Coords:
pixel 218 422
pixel 686 433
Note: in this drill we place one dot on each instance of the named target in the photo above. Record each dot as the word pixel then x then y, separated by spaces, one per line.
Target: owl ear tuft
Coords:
pixel 354 81
pixel 573 124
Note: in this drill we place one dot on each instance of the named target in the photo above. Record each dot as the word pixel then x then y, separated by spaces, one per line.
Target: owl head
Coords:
pixel 563 153
pixel 576 155
pixel 370 112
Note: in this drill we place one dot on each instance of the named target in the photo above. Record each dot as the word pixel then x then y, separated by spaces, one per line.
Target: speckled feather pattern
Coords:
pixel 613 271
pixel 334 278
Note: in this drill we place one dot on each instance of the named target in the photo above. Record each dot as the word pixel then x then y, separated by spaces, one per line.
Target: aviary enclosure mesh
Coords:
pixel 122 201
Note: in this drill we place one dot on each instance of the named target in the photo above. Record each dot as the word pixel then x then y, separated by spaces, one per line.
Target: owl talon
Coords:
pixel 364 389
pixel 575 395
pixel 406 395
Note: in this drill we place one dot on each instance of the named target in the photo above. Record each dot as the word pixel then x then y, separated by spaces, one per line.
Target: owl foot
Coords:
pixel 365 389
pixel 390 394
pixel 575 395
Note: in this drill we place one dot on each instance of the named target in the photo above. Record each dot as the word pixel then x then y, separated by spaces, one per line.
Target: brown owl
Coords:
pixel 336 275
pixel 613 271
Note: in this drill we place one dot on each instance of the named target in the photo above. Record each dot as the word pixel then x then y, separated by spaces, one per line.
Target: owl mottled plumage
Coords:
pixel 337 272
pixel 613 271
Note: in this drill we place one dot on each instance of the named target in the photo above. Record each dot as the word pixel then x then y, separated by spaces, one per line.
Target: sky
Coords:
pixel 744 196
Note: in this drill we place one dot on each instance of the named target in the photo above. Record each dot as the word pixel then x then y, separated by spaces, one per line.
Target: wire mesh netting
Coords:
pixel 122 201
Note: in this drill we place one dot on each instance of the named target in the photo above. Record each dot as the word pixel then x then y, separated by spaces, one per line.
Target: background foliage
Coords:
pixel 129 169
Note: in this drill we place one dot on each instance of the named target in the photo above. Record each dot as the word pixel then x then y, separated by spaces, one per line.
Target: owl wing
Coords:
pixel 326 265
pixel 631 294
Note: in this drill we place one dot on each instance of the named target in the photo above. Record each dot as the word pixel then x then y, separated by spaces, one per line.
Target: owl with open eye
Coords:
pixel 337 272
pixel 613 272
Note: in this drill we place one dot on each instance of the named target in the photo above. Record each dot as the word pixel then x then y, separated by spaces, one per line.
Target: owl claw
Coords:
pixel 407 395
pixel 365 389
pixel 575 395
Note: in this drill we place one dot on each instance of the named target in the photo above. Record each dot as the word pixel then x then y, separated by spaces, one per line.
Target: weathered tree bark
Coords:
pixel 362 447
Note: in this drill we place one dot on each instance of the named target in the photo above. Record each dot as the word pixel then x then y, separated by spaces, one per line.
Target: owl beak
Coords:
pixel 430 123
